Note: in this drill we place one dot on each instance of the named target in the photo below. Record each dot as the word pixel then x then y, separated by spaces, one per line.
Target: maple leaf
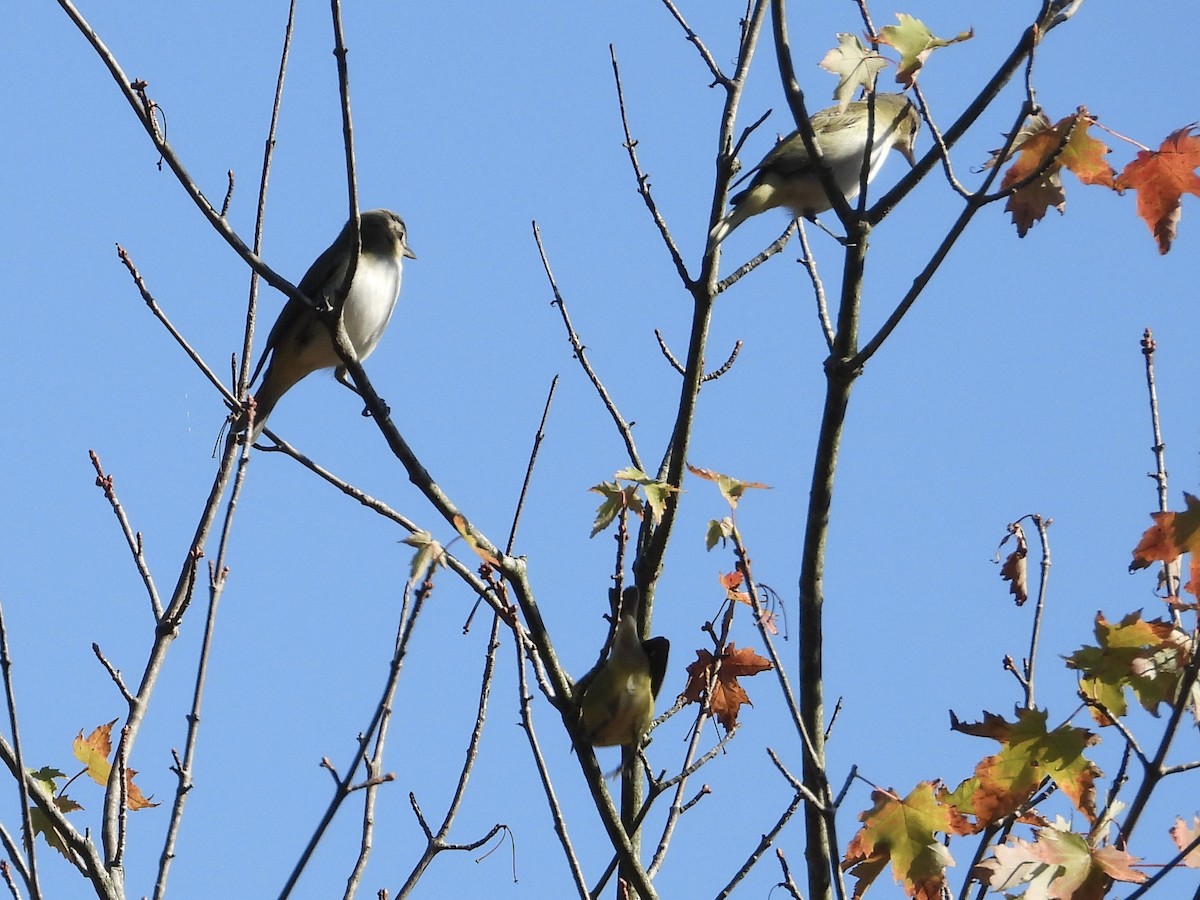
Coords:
pixel 855 66
pixel 429 553
pixel 93 752
pixel 656 492
pixel 1043 151
pixel 727 696
pixel 1161 178
pixel 1002 783
pixel 45 778
pixel 914 41
pixel 1058 865
pixel 730 582
pixel 1015 571
pixel 1146 657
pixel 1172 535
pixel 1192 586
pixel 1185 837
pixel 41 824
pixel 903 832
pixel 719 531
pixel 618 497
pixel 731 489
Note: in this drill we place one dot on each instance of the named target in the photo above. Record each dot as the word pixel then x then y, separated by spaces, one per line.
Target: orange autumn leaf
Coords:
pixel 1043 151
pixel 134 798
pixel 1161 177
pixel 93 752
pixel 1002 783
pixel 727 695
pixel 1192 586
pixel 1172 535
pixel 731 581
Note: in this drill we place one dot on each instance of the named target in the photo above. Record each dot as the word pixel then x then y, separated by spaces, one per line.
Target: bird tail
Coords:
pixel 275 385
pixel 743 205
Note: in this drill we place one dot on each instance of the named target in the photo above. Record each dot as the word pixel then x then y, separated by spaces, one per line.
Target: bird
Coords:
pixel 617 706
pixel 787 176
pixel 300 343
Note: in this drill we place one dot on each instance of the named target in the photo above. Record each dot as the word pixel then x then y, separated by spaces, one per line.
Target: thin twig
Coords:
pixel 113 672
pixel 764 844
pixel 1170 570
pixel 28 866
pixel 159 314
pixel 643 180
pixel 105 482
pixel 547 782
pixel 725 366
pixel 344 783
pixel 772 249
pixel 580 353
pixel 374 766
pixel 695 41
pixel 184 768
pixel 533 453
pixel 242 378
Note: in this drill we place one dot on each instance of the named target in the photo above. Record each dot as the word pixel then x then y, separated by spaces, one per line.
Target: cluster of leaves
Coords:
pixel 93 751
pixel 1034 181
pixel 1152 660
pixel 713 676
pixel 1160 177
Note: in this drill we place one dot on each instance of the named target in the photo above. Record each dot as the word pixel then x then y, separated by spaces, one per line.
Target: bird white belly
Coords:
pixel 371 301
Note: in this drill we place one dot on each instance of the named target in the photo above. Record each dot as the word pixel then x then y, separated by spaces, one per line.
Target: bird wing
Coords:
pixel 657 649
pixel 314 285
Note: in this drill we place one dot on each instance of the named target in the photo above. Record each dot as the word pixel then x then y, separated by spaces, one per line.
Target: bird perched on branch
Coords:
pixel 300 343
pixel 618 701
pixel 788 176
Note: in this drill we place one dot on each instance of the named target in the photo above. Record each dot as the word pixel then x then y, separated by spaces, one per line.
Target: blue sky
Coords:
pixel 1015 385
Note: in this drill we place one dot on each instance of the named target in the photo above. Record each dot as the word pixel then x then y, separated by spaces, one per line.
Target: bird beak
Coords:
pixel 908 154
pixel 408 252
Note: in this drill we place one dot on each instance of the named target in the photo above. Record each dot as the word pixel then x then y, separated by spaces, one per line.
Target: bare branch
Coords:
pixel 643 180
pixel 105 482
pixel 580 352
pixel 694 39
pixel 27 866
pixel 533 453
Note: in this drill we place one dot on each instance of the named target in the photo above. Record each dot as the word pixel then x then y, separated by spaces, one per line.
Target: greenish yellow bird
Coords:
pixel 618 702
pixel 788 176
pixel 300 344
